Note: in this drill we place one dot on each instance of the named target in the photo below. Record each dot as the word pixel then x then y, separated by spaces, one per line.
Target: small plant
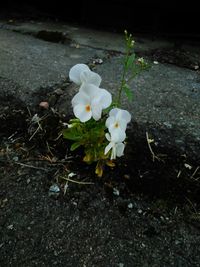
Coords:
pixel 100 124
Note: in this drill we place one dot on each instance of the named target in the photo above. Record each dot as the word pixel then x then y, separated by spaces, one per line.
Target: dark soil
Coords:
pixel 177 56
pixel 141 213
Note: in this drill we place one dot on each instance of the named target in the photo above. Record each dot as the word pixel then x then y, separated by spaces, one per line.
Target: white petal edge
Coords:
pixel 90 77
pixel 120 149
pixel 120 114
pixel 107 135
pixel 75 73
pixel 106 98
pixel 108 148
pixel 110 121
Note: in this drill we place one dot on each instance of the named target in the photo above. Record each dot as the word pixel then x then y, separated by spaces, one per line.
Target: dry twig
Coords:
pixel 149 141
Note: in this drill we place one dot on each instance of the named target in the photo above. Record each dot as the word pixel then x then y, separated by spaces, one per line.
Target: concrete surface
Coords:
pixel 166 98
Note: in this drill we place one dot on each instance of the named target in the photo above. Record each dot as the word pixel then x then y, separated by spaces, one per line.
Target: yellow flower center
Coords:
pixel 87 108
pixel 116 125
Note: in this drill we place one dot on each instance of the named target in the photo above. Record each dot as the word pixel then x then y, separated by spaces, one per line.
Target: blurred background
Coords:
pixel 153 17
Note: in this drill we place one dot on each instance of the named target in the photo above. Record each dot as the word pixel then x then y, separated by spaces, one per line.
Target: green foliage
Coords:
pixel 75 145
pixel 132 66
pixel 130 61
pixel 128 92
pixel 90 135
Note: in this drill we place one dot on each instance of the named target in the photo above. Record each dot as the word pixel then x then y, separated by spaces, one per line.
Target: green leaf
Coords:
pixel 75 146
pixel 128 92
pixel 71 134
pixel 130 61
pixel 74 120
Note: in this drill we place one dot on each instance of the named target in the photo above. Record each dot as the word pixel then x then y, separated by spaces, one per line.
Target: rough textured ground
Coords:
pixel 141 213
pixel 124 219
pixel 36 58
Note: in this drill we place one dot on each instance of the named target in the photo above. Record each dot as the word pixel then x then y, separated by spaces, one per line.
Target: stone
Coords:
pixel 34 66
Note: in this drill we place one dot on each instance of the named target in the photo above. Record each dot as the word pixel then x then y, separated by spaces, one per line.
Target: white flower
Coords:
pixel 117 123
pixel 117 147
pixel 90 101
pixel 141 60
pixel 80 73
pixel 120 114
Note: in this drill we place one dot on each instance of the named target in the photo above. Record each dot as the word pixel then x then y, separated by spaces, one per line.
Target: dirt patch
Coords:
pixel 177 56
pixel 53 36
pixel 141 213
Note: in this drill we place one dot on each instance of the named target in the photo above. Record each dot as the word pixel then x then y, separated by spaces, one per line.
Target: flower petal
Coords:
pixel 117 135
pixel 96 109
pixel 125 115
pixel 114 152
pixel 80 98
pixel 122 124
pixel 114 112
pixel 81 113
pixel 75 73
pixel 105 98
pixel 113 124
pixel 120 114
pixel 108 147
pixel 89 89
pixel 110 121
pixel 120 149
pixel 107 135
pixel 90 77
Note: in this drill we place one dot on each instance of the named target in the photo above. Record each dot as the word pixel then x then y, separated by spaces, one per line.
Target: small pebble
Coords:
pixel 130 205
pixel 54 190
pixel 162 218
pixel 115 192
pixel 44 104
pixel 127 176
pixel 10 227
pixel 16 158
pixel 97 61
pixel 139 211
pixel 188 166
pixel 177 242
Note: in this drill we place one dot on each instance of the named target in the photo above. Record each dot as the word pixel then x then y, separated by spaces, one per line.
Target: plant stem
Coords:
pixel 123 79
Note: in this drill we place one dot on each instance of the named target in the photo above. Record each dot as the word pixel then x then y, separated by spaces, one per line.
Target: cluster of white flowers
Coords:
pixel 91 100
